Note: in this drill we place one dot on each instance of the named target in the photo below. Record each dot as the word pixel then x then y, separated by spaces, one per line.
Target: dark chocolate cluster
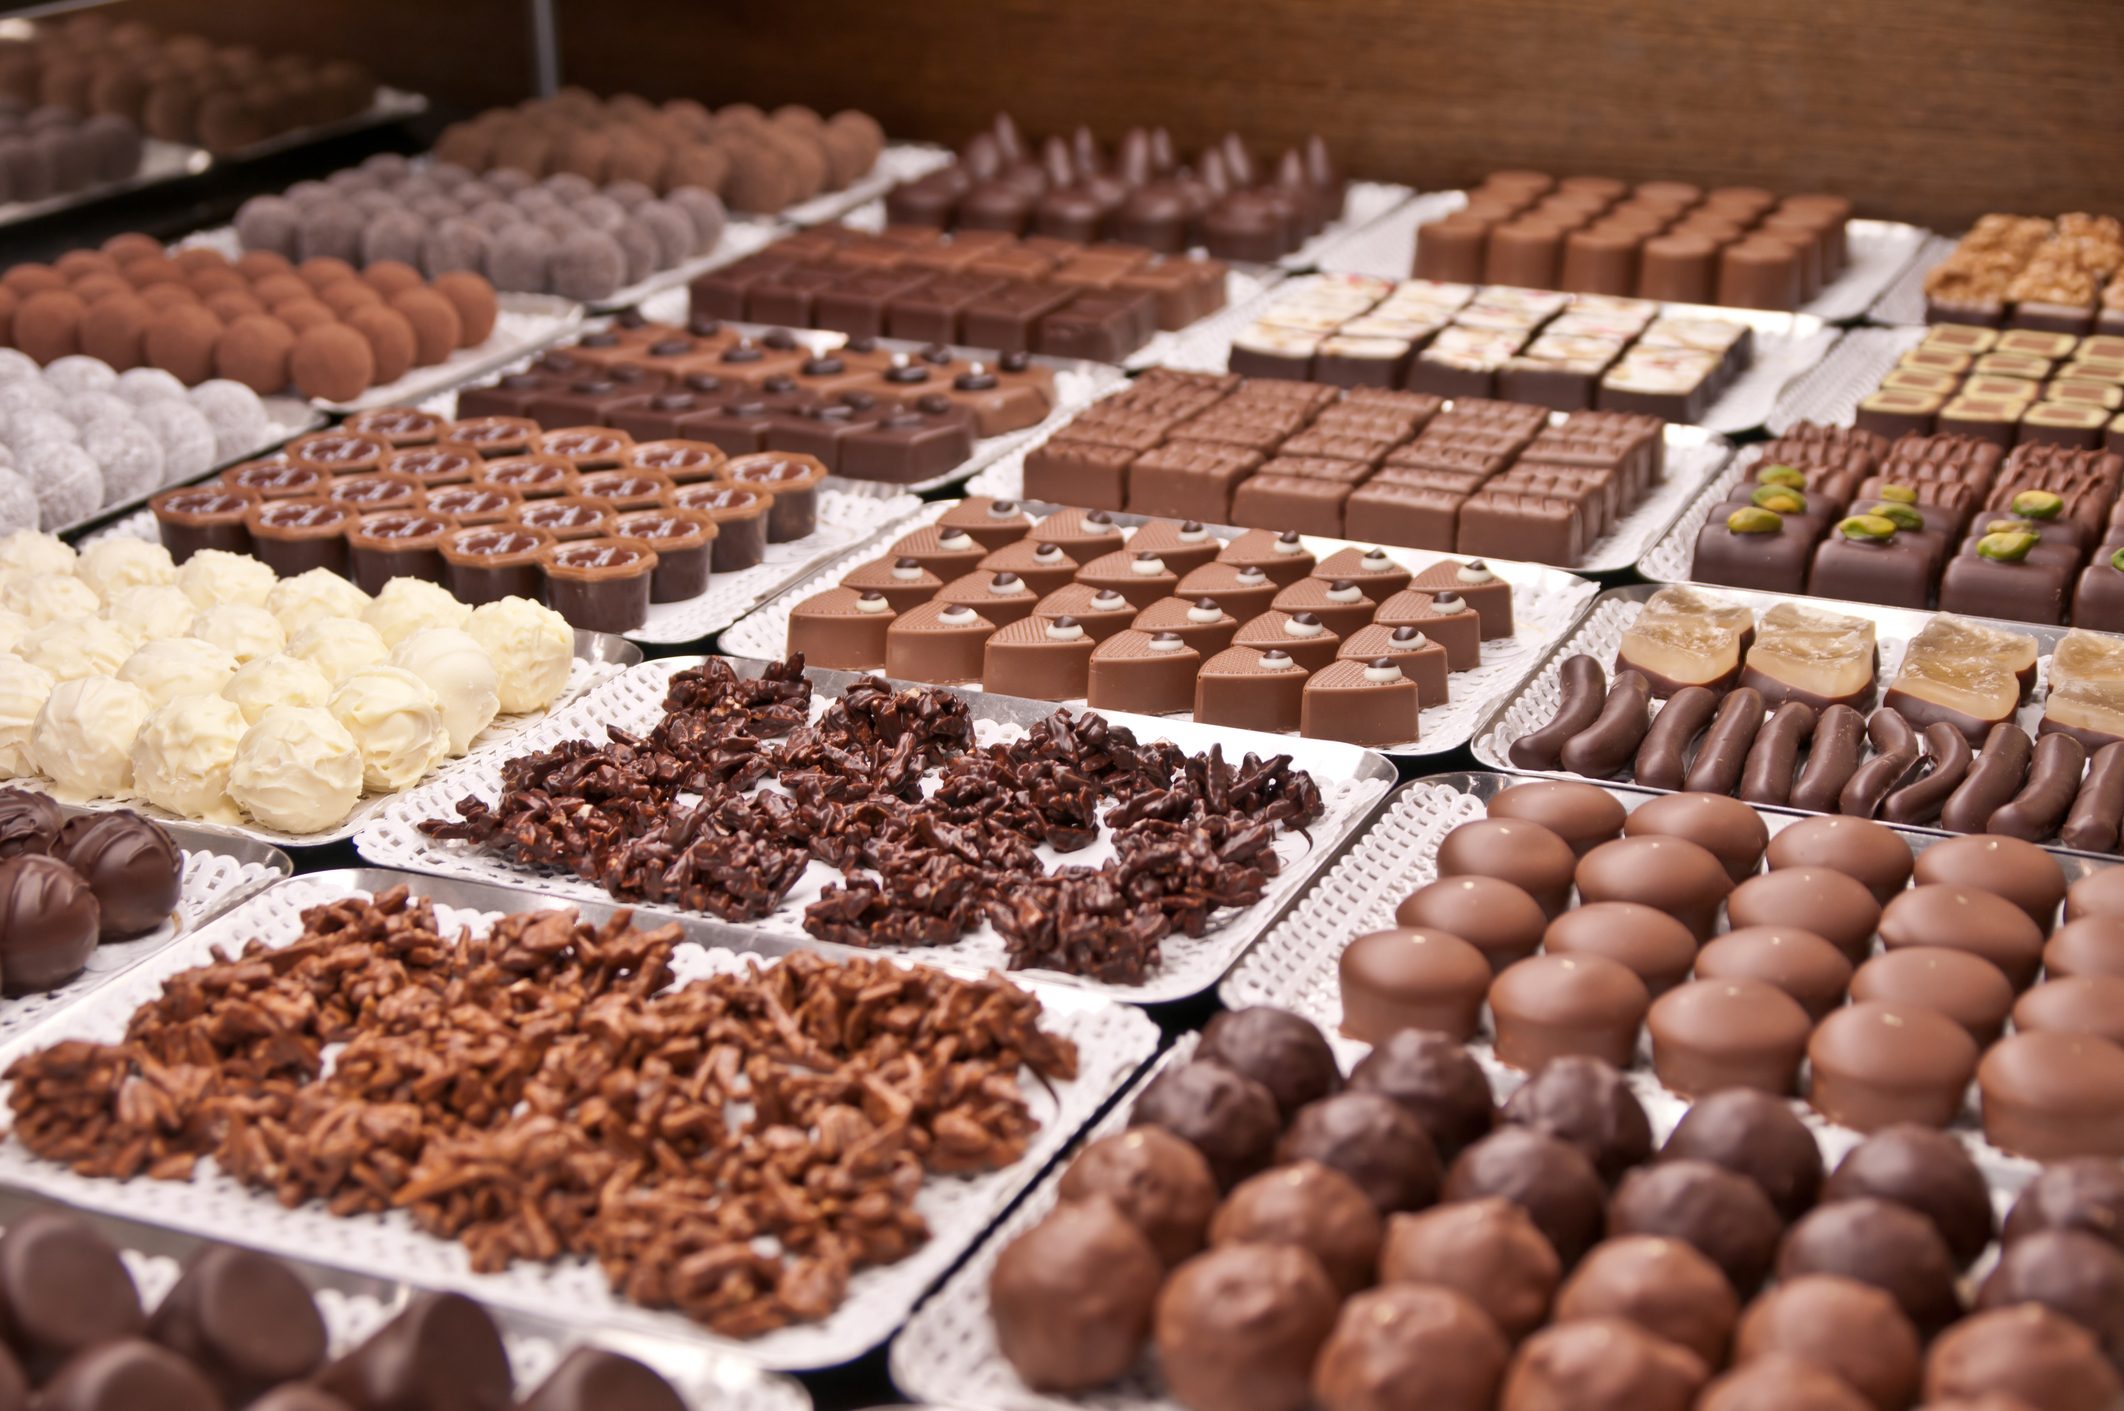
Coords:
pixel 674 818
pixel 69 884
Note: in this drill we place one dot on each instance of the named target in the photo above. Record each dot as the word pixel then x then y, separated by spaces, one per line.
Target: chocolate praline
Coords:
pixel 1802 964
pixel 1490 914
pixel 2026 1351
pixel 1724 1215
pixel 1587 1103
pixel 1437 1081
pixel 1583 815
pixel 1672 875
pixel 2049 1095
pixel 130 864
pixel 1966 918
pixel 2092 944
pixel 1877 1242
pixel 129 1373
pixel 1489 1250
pixel 1549 1177
pixel 1284 1052
pixel 1407 978
pixel 2097 894
pixel 1928 1171
pixel 1712 1034
pixel 49 923
pixel 1734 832
pixel 1602 1364
pixel 1228 1117
pixel 48 1251
pixel 244 1320
pixel 443 1350
pixel 1408 1345
pixel 1960 984
pixel 2078 1004
pixel 1755 1135
pixel 1311 1206
pixel 2019 871
pixel 1238 1328
pixel 1071 1298
pixel 1529 856
pixel 1374 1141
pixel 1664 1286
pixel 2071 1273
pixel 1849 1328
pixel 1652 945
pixel 1550 1006
pixel 2078 1193
pixel 1857 847
pixel 1781 1383
pixel 29 822
pixel 1158 1181
pixel 1833 905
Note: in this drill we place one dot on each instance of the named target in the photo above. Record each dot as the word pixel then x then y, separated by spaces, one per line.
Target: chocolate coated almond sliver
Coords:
pixel 2098 813
pixel 1581 685
pixel 1832 757
pixel 1895 747
pixel 1600 749
pixel 1921 800
pixel 1718 763
pixel 1993 779
pixel 1767 775
pixel 2053 783
pixel 1663 757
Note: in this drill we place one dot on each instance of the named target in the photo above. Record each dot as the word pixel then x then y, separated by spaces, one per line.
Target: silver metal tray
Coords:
pixel 1352 781
pixel 1851 373
pixel 1903 301
pixel 1113 1040
pixel 1545 603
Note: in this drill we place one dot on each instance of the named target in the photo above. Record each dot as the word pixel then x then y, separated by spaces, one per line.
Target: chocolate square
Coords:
pixel 1079 473
pixel 1189 480
pixel 1308 504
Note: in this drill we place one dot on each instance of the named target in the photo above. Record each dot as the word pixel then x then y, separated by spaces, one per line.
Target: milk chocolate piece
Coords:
pixel 590 1377
pixel 243 1320
pixel 1549 1006
pixel 2049 1095
pixel 1039 657
pixel 1877 1064
pixel 941 643
pixel 600 585
pixel 130 864
pixel 842 628
pixel 1550 1178
pixel 63 1289
pixel 1250 689
pixel 1876 1242
pixel 443 1351
pixel 1964 986
pixel 1152 673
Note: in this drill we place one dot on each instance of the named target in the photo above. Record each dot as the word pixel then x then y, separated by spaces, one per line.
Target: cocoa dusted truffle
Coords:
pixel 1408 1346
pixel 1583 815
pixel 1527 855
pixel 1724 1215
pixel 1754 1135
pixel 1229 1118
pixel 2079 1193
pixel 1928 1171
pixel 1550 1178
pixel 1371 1139
pixel 1488 1250
pixel 130 864
pixel 1439 1083
pixel 49 923
pixel 1587 1103
pixel 1311 1206
pixel 1071 1298
pixel 1846 1327
pixel 1284 1052
pixel 1858 847
pixel 1781 1383
pixel 1602 1364
pixel 1672 875
pixel 1879 1243
pixel 244 1320
pixel 1158 1181
pixel 1664 1286
pixel 50 1250
pixel 1733 832
pixel 332 362
pixel 1238 1328
pixel 1490 914
pixel 2066 1271
pixel 2025 1351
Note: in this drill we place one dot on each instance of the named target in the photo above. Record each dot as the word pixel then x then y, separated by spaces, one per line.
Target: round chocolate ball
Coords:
pixel 1406 1346
pixel 1311 1206
pixel 1755 1135
pixel 1851 1329
pixel 1374 1141
pixel 1553 1006
pixel 2019 871
pixel 130 864
pixel 1663 1285
pixel 1071 1298
pixel 1583 815
pixel 254 350
pixel 437 330
pixel 1284 1052
pixel 1551 1178
pixel 1734 832
pixel 29 822
pixel 1712 1034
pixel 1527 855
pixel 2083 1193
pixel 1877 1242
pixel 390 338
pixel 1859 847
pixel 1960 984
pixel 2075 1274
pixel 332 362
pixel 1587 1103
pixel 1966 918
pixel 1672 875
pixel 1229 1118
pixel 1495 917
pixel 1411 979
pixel 1831 904
pixel 1724 1215
pixel 1158 1181
pixel 1928 1171
pixel 2087 945
pixel 1437 1081
pixel 1781 1383
pixel 1602 1364
pixel 2049 1095
pixel 49 923
pixel 2099 893
pixel 473 298
pixel 1488 1250
pixel 2080 1004
pixel 2026 1351
pixel 49 1251
pixel 1802 964
pixel 1652 945
pixel 1238 1328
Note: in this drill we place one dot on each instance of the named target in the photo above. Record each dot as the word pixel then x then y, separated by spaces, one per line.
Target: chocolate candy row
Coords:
pixel 2020 386
pixel 2030 272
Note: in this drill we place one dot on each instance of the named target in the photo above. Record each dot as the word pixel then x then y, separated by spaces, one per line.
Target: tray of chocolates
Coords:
pixel 843 852
pixel 1230 596
pixel 2031 272
pixel 87 894
pixel 1492 479
pixel 859 1209
pixel 1966 725
pixel 177 1321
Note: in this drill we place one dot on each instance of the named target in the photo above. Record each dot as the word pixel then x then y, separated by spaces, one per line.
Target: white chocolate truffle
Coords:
pixel 275 680
pixel 532 648
pixel 13 628
pixel 339 647
pixel 83 738
pixel 178 666
pixel 297 770
pixel 462 676
pixel 66 479
pixel 129 456
pixel 77 372
pixel 42 598
pixel 18 498
pixel 406 605
pixel 120 562
pixel 244 632
pixel 73 647
pixel 182 755
pixel 23 691
pixel 150 612
pixel 313 596
pixel 187 437
pixel 214 576
pixel 234 412
pixel 27 551
pixel 398 723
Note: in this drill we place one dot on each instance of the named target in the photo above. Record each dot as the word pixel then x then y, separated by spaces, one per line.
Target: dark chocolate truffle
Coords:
pixel 130 864
pixel 1734 832
pixel 1492 915
pixel 1846 1327
pixel 1928 1171
pixel 1410 979
pixel 1407 1347
pixel 1754 1135
pixel 63 1290
pixel 592 1379
pixel 1311 1206
pixel 1489 1251
pixel 1665 1286
pixel 1282 1051
pixel 1158 1181
pixel 1587 1103
pixel 2079 1193
pixel 1527 855
pixel 1712 1034
pixel 1724 1215
pixel 2025 1351
pixel 1602 1364
pixel 2068 1272
pixel 244 1320
pixel 2019 871
pixel 1229 1118
pixel 1238 1328
pixel 49 923
pixel 1374 1141
pixel 1583 815
pixel 1554 1182
pixel 1876 855
pixel 1833 905
pixel 442 1351
pixel 1439 1083
pixel 1071 1297
pixel 130 1375
pixel 1781 1383
pixel 1880 1243
pixel 29 822
pixel 1653 946
pixel 1672 875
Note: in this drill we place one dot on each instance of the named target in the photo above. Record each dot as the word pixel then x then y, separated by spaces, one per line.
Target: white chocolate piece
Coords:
pixel 311 597
pixel 462 676
pixel 83 737
pixel 532 648
pixel 274 680
pixel 213 576
pixel 297 770
pixel 244 632
pixel 41 599
pixel 74 647
pixel 23 691
pixel 396 720
pixel 182 755
pixel 177 667
pixel 409 605
pixel 339 647
pixel 119 562
pixel 150 612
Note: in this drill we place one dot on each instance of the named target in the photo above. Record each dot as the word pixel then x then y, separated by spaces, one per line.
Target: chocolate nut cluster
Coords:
pixel 541 1092
pixel 1192 833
